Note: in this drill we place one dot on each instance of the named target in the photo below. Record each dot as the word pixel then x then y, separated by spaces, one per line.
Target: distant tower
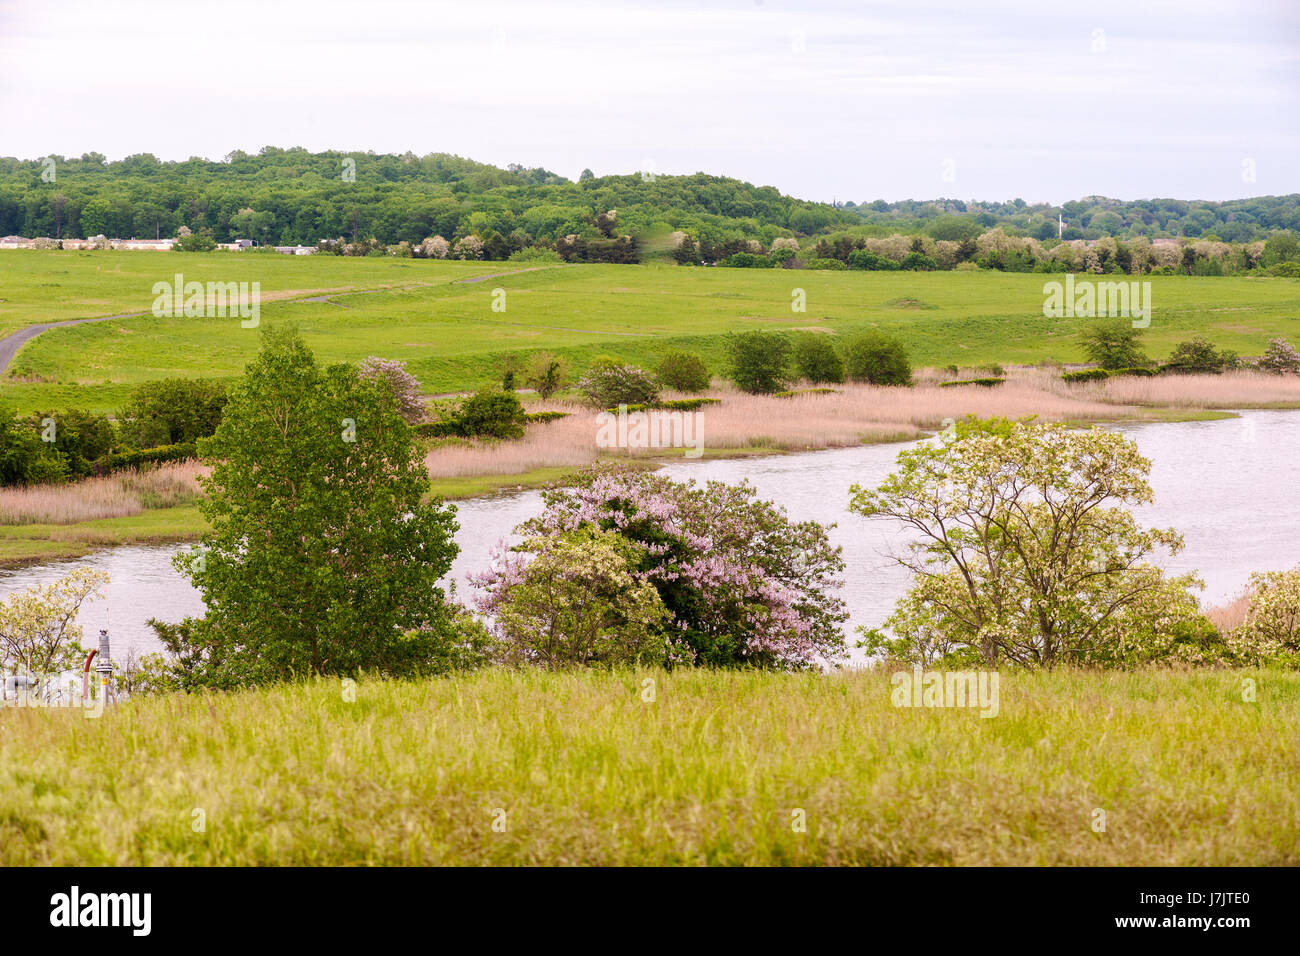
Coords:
pixel 1060 227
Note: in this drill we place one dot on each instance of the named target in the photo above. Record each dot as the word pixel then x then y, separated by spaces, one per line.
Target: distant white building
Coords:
pixel 295 250
pixel 161 245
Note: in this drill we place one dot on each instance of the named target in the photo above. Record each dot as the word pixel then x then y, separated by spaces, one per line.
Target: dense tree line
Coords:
pixel 374 202
pixel 1093 217
pixel 295 197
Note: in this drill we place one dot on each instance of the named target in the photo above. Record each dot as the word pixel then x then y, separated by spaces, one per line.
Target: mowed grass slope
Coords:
pixel 452 338
pixel 709 772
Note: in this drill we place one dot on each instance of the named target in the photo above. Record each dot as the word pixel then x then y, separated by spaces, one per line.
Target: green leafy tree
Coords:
pixel 172 411
pixel 683 371
pixel 817 360
pixel 546 373
pixel 579 602
pixel 38 630
pixel 1025 551
pixel 1114 344
pixel 1199 356
pixel 610 382
pixel 877 358
pixel 490 414
pixel 323 557
pixel 759 361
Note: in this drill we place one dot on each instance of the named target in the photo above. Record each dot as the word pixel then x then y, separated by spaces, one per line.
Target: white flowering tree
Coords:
pixel 1270 634
pixel 406 388
pixel 1024 550
pixel 1280 358
pixel 38 629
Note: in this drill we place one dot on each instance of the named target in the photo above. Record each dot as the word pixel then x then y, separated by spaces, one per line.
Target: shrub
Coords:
pixel 546 374
pixel 195 242
pixel 534 254
pixel 747 260
pixel 541 417
pixel 1113 344
pixel 147 456
pixel 758 361
pixel 1270 633
pixel 743 585
pixel 683 371
pixel 918 262
pixel 817 360
pixel 791 393
pixel 985 382
pixel 877 358
pixel 1280 358
pixel 406 389
pixel 1198 355
pixel 24 458
pixel 862 259
pixel 79 437
pixel 577 602
pixel 831 265
pixel 490 414
pixel 173 411
pixel 1086 375
pixel 611 382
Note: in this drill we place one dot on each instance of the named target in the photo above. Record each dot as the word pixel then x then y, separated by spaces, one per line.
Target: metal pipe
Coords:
pixel 85 675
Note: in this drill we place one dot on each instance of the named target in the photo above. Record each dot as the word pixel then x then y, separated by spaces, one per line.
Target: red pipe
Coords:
pixel 85 673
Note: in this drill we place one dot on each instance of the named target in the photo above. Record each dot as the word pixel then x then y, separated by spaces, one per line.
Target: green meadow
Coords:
pixel 425 313
pixel 689 767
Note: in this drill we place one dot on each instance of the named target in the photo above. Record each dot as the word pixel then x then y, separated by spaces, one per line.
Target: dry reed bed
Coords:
pixel 1230 390
pixel 120 495
pixel 852 415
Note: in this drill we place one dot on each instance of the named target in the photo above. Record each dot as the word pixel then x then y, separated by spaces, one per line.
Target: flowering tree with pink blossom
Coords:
pixel 742 584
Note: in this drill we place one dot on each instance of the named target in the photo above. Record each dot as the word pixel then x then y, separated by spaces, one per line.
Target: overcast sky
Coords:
pixel 988 99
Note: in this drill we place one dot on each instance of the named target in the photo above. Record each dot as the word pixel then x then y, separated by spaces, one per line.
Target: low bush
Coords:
pixel 683 371
pixel 985 382
pixel 817 360
pixel 878 359
pixel 144 457
pixel 611 382
pixel 1086 375
pixel 759 361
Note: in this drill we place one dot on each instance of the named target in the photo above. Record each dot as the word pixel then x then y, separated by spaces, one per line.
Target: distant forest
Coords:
pixel 292 197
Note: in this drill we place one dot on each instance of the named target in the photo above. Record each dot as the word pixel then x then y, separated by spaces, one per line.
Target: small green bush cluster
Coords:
pixel 985 382
pixel 610 381
pixel 487 413
pixel 762 363
pixel 676 404
pixel 161 422
pixel 683 371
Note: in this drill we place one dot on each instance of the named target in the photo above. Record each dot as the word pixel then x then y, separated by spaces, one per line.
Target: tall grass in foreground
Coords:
pixel 589 772
pixel 119 495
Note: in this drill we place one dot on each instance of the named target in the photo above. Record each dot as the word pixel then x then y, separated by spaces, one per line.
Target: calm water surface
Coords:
pixel 1229 486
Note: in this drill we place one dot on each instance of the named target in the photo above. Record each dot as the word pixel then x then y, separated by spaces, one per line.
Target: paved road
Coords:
pixel 10 344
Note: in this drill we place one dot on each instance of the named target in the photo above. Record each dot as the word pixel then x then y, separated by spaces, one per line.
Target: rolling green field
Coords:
pixel 425 313
pixel 580 768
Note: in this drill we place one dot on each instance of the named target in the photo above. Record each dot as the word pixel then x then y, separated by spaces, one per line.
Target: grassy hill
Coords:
pixel 586 770
pixel 436 316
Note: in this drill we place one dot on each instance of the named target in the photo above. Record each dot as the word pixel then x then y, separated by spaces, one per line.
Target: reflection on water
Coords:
pixel 1226 485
